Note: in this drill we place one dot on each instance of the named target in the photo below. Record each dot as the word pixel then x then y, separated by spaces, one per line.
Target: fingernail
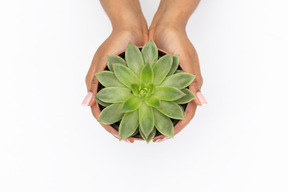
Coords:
pixel 127 140
pixel 201 98
pixel 87 99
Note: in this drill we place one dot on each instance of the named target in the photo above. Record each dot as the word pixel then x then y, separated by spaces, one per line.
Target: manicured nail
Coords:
pixel 201 98
pixel 161 140
pixel 127 140
pixel 87 99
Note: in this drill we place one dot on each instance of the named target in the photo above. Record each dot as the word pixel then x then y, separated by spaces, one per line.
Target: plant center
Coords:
pixel 146 90
pixel 143 92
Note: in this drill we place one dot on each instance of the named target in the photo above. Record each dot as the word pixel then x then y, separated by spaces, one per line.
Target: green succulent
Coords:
pixel 142 92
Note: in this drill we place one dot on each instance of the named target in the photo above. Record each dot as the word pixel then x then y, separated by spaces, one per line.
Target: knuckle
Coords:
pixel 87 79
pixel 200 80
pixel 94 80
pixel 195 82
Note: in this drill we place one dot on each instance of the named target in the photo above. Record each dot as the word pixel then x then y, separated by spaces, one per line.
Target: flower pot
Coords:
pixel 178 124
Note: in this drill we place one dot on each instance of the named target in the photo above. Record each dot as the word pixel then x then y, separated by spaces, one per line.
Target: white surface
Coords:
pixel 48 142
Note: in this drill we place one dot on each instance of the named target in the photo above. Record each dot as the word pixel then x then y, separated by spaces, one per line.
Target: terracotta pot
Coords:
pixel 178 124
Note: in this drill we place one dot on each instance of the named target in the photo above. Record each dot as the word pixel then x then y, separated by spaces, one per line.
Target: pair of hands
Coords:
pixel 167 38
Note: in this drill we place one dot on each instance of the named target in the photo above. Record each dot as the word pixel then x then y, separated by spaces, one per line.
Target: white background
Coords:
pixel 48 142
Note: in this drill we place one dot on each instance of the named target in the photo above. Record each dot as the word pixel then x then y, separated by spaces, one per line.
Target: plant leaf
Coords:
pixel 137 130
pixel 168 93
pixel 135 89
pixel 187 98
pixel 175 65
pixel 146 74
pixel 152 101
pixel 111 59
pixel 150 52
pixel 161 68
pixel 111 114
pixel 179 80
pixel 125 75
pixel 151 88
pixel 142 134
pixel 150 137
pixel 101 102
pixel 163 124
pixel 108 79
pixel 113 94
pixel 128 125
pixel 171 109
pixel 131 104
pixel 134 59
pixel 146 119
pixel 179 71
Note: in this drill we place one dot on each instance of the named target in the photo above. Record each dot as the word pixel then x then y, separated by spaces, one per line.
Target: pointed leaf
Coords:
pixel 175 64
pixel 111 59
pixel 147 74
pixel 142 134
pixel 137 130
pixel 135 89
pixel 128 125
pixel 125 75
pixel 108 79
pixel 153 101
pixel 179 71
pixel 101 102
pixel 179 80
pixel 150 52
pixel 151 89
pixel 131 104
pixel 150 137
pixel 111 114
pixel 171 109
pixel 187 98
pixel 114 94
pixel 146 119
pixel 168 93
pixel 134 59
pixel 163 124
pixel 161 68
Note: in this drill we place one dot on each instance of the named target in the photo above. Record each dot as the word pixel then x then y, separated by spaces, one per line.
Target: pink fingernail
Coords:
pixel 87 99
pixel 201 98
pixel 127 140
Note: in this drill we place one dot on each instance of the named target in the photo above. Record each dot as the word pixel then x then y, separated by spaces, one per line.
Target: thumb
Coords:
pixel 199 97
pixel 191 65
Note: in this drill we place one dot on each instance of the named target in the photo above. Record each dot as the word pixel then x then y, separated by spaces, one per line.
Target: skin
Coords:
pixel 167 30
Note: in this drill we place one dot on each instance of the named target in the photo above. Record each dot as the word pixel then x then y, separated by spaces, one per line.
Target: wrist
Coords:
pixel 132 26
pixel 174 14
pixel 127 21
pixel 169 19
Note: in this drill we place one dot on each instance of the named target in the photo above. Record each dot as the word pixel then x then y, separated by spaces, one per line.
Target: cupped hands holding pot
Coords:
pixel 167 31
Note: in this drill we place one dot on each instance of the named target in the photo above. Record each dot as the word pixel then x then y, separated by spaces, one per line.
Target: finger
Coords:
pixel 91 80
pixel 161 140
pixel 190 63
pixel 129 140
pixel 156 139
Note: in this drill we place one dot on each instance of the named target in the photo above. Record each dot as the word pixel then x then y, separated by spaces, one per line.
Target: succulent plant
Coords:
pixel 143 92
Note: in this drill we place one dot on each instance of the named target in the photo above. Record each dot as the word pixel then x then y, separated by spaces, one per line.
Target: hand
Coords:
pixel 168 32
pixel 128 27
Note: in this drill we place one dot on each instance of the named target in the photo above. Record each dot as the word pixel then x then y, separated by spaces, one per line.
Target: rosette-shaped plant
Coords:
pixel 142 92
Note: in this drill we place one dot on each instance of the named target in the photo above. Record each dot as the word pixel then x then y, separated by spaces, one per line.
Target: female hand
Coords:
pixel 168 32
pixel 130 27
